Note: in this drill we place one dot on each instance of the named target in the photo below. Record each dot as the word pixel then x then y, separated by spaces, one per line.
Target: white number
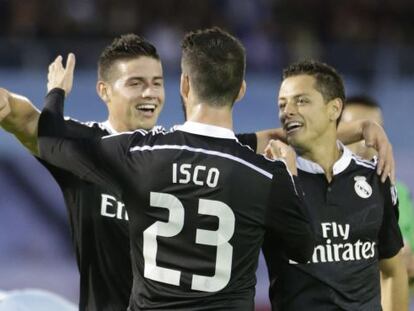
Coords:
pixel 166 229
pixel 174 226
pixel 217 238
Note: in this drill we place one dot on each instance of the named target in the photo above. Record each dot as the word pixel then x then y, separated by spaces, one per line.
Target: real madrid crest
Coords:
pixel 362 187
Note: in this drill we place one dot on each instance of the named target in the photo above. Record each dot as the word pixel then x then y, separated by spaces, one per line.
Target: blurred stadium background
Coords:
pixel 371 42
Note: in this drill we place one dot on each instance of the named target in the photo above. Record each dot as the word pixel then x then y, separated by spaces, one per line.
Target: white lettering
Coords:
pixel 212 177
pixel 106 204
pixel 332 251
pixel 184 170
pixel 325 229
pixel 344 232
pixel 200 175
pixel 112 208
pixel 196 170
pixel 174 173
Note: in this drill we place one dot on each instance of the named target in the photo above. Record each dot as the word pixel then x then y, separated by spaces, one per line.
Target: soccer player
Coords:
pixel 354 213
pixel 364 107
pixel 130 82
pixel 197 199
pixel 127 68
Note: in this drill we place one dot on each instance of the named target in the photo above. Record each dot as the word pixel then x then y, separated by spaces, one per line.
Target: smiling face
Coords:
pixel 305 116
pixel 134 93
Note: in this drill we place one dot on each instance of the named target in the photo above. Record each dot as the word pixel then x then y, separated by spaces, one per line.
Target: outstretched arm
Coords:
pixel 265 136
pixel 348 132
pixel 88 156
pixel 19 117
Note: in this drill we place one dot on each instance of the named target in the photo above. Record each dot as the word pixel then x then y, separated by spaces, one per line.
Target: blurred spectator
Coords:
pixel 363 107
pixel 348 34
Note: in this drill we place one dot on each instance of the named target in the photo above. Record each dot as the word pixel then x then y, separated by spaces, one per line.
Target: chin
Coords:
pixel 146 125
pixel 295 142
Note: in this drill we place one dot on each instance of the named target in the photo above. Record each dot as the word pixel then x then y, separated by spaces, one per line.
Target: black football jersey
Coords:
pixel 99 228
pixel 356 226
pixel 199 203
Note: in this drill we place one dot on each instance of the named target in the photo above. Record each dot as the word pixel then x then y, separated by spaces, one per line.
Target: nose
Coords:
pixel 149 92
pixel 290 109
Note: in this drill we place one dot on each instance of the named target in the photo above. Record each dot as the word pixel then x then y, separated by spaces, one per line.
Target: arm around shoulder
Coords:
pixel 289 218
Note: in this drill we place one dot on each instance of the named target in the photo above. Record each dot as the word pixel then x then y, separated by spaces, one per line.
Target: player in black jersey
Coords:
pixel 354 213
pixel 130 82
pixel 105 217
pixel 197 199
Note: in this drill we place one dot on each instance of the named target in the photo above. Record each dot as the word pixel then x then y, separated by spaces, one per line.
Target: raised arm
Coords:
pixel 19 117
pixel 97 159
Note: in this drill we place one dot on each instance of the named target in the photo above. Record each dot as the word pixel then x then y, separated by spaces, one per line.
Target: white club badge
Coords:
pixel 362 187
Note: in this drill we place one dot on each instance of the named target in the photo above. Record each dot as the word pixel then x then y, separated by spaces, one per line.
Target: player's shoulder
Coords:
pixel 247 154
pixel 363 165
pixel 99 127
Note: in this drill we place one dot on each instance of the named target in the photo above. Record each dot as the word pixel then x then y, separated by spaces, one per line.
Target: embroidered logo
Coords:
pixel 362 187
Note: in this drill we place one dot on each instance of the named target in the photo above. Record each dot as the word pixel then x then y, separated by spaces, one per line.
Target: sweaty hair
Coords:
pixel 362 100
pixel 215 62
pixel 328 82
pixel 124 47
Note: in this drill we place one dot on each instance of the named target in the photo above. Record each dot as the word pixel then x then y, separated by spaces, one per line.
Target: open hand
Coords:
pixel 59 76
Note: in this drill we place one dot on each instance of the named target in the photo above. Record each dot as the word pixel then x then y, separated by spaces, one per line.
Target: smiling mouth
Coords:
pixel 292 126
pixel 147 108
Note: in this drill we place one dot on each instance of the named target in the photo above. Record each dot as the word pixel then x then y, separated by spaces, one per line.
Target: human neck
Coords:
pixel 217 116
pixel 118 127
pixel 325 152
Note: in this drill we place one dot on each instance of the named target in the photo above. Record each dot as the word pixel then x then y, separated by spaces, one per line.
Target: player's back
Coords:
pixel 197 207
pixel 197 202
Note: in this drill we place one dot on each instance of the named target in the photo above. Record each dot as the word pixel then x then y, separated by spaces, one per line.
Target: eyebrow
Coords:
pixel 297 95
pixel 144 78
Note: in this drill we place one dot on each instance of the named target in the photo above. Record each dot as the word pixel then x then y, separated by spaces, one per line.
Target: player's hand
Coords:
pixel 276 149
pixel 375 137
pixel 59 76
pixel 4 104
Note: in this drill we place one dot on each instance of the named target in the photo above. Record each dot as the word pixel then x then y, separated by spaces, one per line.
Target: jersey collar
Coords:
pixel 206 130
pixel 340 165
pixel 107 125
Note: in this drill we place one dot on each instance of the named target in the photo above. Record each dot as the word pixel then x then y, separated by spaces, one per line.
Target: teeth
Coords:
pixel 146 106
pixel 291 125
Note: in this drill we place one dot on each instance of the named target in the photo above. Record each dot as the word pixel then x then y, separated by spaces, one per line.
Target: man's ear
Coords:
pixel 336 106
pixel 184 86
pixel 102 90
pixel 242 91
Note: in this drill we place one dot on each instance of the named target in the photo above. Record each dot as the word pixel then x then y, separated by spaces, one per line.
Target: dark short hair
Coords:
pixel 328 82
pixel 215 62
pixel 362 100
pixel 124 47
